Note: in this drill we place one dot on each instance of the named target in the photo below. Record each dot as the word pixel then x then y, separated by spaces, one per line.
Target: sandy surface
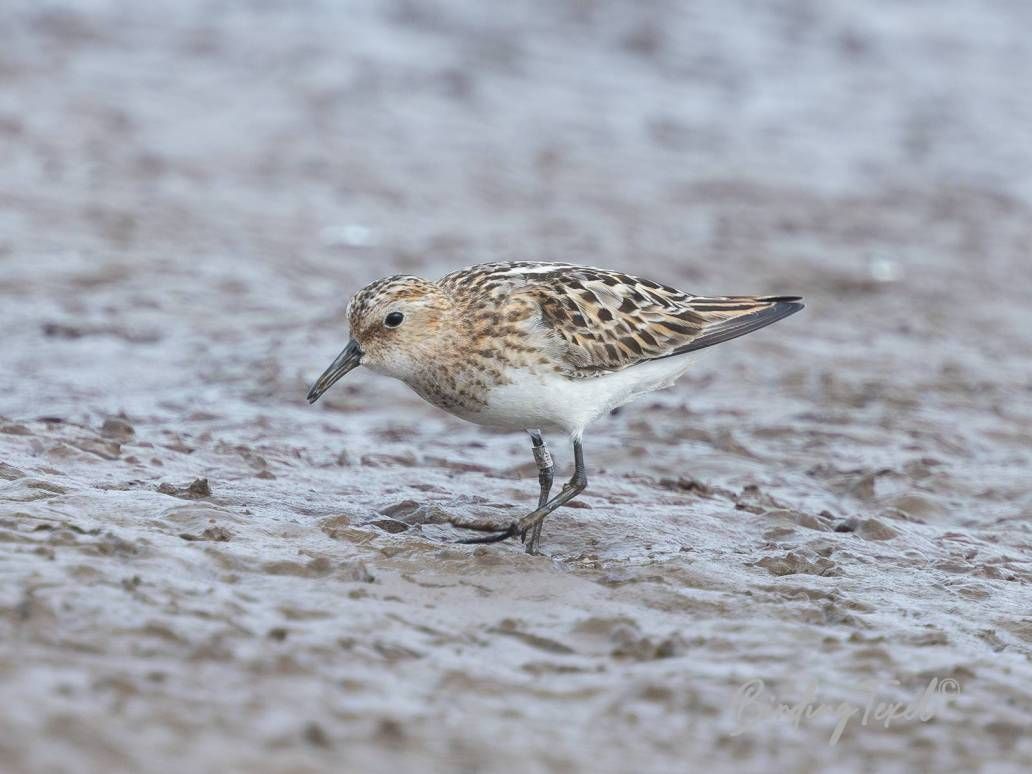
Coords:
pixel 838 506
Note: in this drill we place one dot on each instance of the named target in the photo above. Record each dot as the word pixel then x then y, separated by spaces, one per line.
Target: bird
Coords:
pixel 538 347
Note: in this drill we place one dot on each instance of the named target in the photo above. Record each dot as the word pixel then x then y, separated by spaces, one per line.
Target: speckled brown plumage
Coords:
pixel 577 321
pixel 593 321
pixel 536 345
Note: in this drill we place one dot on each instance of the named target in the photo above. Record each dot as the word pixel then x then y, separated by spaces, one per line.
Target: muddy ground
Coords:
pixel 200 572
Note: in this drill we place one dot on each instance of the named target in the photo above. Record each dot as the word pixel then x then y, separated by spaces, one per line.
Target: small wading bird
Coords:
pixel 538 346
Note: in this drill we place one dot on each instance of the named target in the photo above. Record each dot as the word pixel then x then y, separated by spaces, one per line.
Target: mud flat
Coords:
pixel 198 571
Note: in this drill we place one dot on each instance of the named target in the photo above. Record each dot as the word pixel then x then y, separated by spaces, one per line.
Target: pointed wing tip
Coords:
pixel 771 309
pixel 784 305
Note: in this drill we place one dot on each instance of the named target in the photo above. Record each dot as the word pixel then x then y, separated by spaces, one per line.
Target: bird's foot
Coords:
pixel 529 524
pixel 498 537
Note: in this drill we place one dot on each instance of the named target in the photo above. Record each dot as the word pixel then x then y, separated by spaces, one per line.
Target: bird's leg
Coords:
pixel 570 489
pixel 577 484
pixel 543 458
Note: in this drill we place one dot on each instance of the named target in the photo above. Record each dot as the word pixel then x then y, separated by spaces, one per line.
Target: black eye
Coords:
pixel 393 320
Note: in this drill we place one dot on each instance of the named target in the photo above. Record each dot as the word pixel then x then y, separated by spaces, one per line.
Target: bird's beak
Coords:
pixel 347 360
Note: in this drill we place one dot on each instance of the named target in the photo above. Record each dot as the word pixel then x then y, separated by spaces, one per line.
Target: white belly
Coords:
pixel 550 401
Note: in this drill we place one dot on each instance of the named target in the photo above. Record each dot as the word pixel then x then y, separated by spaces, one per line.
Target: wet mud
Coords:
pixel 200 571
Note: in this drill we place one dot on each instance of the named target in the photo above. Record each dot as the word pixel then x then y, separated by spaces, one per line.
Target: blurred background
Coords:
pixel 191 190
pixel 263 160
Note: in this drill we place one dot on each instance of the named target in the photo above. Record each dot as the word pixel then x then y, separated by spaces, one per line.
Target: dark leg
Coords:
pixel 571 489
pixel 543 458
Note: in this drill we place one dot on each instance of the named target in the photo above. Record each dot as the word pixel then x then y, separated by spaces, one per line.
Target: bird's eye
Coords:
pixel 393 320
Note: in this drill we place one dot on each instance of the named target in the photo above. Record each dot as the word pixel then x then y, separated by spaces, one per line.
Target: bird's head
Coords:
pixel 395 323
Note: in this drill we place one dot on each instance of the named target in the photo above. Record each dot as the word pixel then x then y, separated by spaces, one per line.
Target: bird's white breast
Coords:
pixel 551 400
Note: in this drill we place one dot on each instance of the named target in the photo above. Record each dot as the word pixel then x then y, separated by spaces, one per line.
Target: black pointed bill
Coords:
pixel 348 360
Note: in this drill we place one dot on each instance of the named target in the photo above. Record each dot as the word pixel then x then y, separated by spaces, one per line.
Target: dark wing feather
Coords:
pixel 757 312
pixel 594 321
pixel 603 321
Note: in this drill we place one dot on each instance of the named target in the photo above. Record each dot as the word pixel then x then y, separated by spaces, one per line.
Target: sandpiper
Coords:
pixel 538 346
